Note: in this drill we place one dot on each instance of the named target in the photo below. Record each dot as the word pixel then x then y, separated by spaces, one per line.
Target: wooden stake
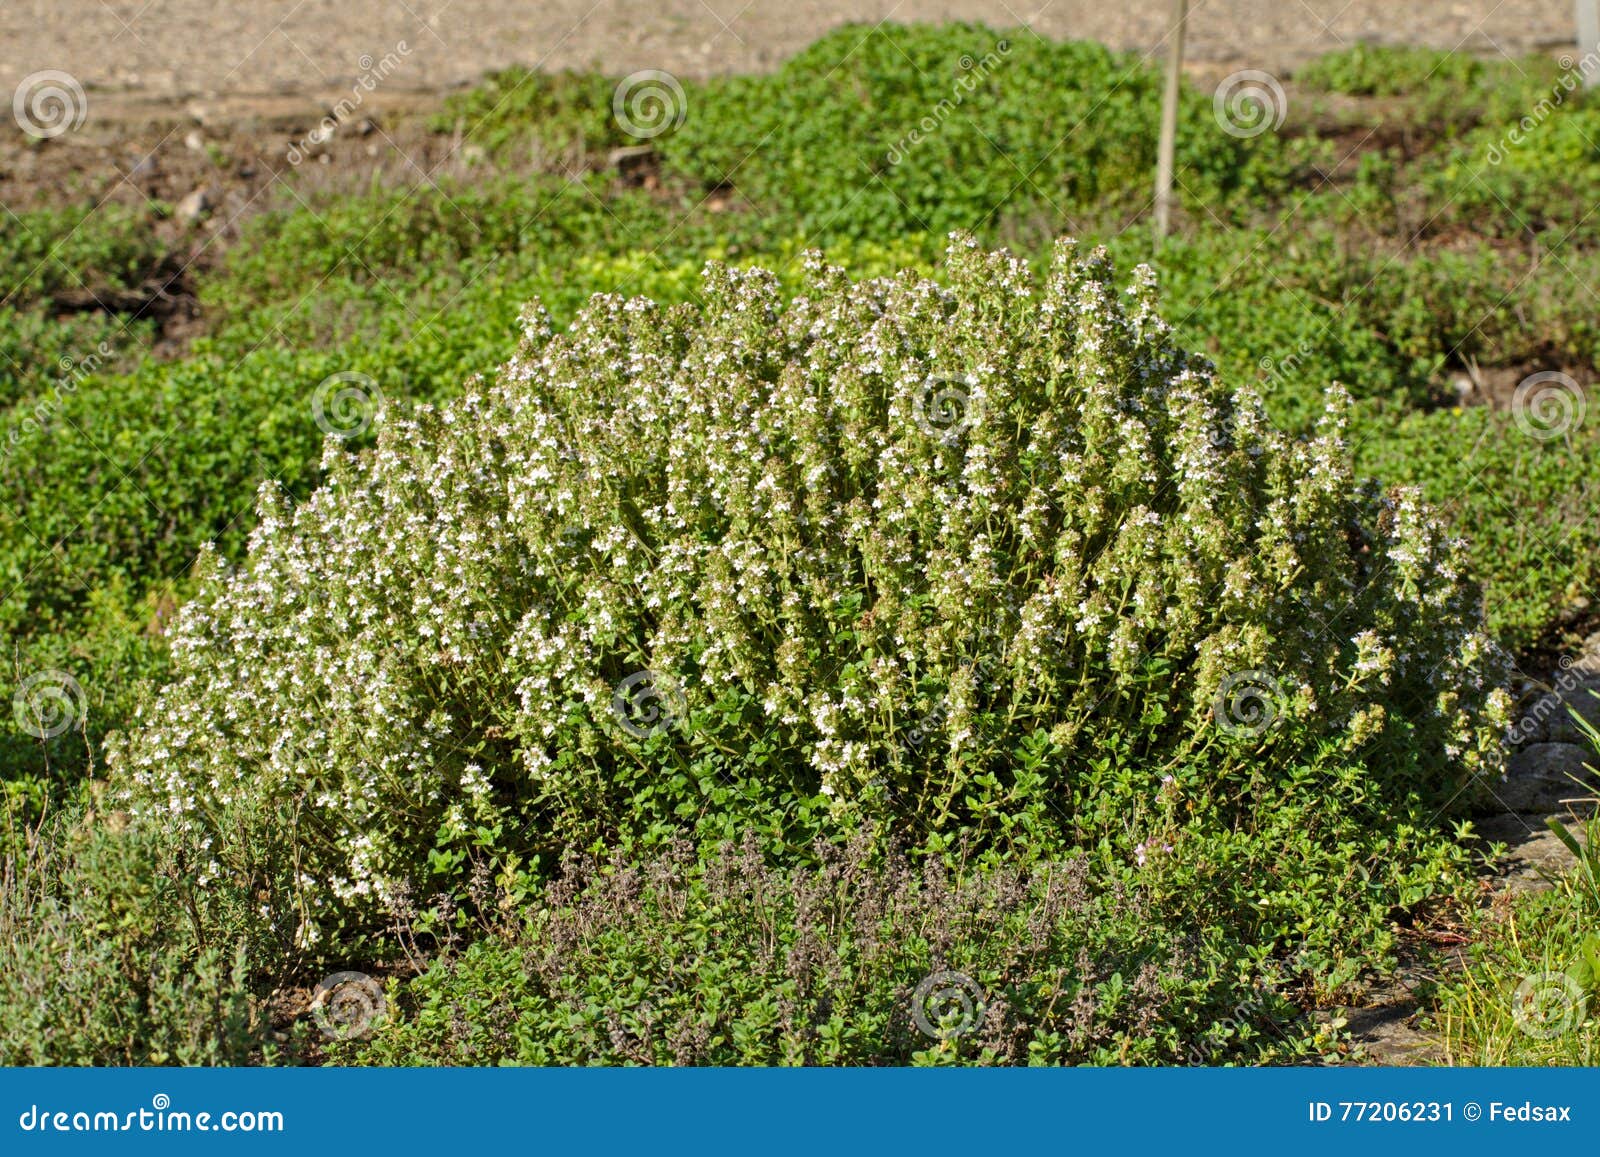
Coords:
pixel 1166 148
pixel 1588 41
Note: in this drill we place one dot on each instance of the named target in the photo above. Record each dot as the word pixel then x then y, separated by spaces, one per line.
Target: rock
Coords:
pixel 194 208
pixel 195 141
pixel 1548 719
pixel 1542 775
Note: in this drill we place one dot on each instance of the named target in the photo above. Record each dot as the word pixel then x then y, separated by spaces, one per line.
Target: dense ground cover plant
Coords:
pixel 865 132
pixel 727 960
pixel 1534 543
pixel 1394 70
pixel 893 551
pixel 81 247
pixel 101 963
pixel 862 135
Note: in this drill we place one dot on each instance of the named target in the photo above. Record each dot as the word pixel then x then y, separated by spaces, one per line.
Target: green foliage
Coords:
pixel 561 119
pixel 40 355
pixel 1528 503
pixel 101 963
pixel 1535 172
pixel 447 236
pixel 877 131
pixel 862 960
pixel 1288 315
pixel 83 247
pixel 948 718
pixel 1532 992
pixel 1383 70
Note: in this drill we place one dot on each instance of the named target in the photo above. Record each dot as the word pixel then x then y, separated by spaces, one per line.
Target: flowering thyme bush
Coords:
pixel 992 557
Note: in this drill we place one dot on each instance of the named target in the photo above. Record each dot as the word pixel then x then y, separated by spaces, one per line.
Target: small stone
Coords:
pixel 1541 776
pixel 194 208
pixel 195 141
pixel 1549 719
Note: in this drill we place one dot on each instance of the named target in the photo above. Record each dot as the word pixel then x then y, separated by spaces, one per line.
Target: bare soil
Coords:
pixel 178 50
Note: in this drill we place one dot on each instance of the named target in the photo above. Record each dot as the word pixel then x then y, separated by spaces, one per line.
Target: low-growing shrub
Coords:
pixel 1392 70
pixel 872 132
pixel 1528 500
pixel 561 119
pixel 988 558
pixel 104 962
pixel 865 959
pixel 82 248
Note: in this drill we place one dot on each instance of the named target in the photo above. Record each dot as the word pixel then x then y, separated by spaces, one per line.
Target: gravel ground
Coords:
pixel 162 50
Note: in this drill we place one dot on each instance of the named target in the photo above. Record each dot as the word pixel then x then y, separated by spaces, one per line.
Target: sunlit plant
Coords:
pixel 979 557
